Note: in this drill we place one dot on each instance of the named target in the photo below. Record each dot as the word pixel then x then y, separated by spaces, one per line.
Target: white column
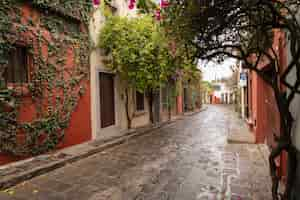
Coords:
pixel 243 102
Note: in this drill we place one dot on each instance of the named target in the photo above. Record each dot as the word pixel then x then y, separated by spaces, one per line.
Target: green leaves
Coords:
pixel 139 51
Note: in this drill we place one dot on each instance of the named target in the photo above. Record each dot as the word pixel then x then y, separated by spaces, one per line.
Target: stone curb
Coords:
pixel 90 148
pixel 239 141
pixel 195 112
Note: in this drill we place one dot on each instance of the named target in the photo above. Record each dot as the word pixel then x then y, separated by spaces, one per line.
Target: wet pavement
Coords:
pixel 186 160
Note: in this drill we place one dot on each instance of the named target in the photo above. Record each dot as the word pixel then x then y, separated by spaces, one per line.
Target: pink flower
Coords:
pixel 96 2
pixel 164 3
pixel 157 14
pixel 131 4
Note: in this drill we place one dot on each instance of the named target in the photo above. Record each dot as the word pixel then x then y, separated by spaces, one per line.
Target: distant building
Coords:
pixel 222 94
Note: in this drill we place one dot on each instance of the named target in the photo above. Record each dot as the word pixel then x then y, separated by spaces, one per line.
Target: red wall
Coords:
pixel 263 112
pixel 215 100
pixel 179 105
pixel 79 129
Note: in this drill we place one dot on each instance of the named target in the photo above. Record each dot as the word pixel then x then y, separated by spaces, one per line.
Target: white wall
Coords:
pixel 96 64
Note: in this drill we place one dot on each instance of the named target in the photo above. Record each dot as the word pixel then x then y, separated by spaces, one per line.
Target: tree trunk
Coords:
pixel 127 108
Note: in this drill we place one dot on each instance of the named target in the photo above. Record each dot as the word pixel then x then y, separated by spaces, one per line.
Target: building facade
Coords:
pixel 63 83
pixel 263 117
pixel 47 71
pixel 109 117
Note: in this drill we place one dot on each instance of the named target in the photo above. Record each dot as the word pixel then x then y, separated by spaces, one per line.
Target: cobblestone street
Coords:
pixel 185 160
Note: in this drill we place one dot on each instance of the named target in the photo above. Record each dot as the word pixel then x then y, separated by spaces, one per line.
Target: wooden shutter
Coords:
pixel 140 104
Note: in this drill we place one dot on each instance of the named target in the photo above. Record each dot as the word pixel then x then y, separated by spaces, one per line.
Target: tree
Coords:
pixel 139 54
pixel 245 30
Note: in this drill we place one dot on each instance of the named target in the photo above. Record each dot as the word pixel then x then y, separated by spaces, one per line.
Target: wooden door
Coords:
pixel 156 107
pixel 107 99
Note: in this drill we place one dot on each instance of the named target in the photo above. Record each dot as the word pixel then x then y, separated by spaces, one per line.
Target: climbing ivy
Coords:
pixel 55 87
pixel 79 10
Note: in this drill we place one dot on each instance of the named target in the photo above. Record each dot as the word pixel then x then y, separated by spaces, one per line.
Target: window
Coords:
pixel 17 68
pixel 139 99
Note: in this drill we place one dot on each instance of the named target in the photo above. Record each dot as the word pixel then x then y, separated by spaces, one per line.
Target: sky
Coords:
pixel 212 70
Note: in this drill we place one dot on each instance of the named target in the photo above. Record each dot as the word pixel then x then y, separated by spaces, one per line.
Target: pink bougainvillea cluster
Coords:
pixel 157 14
pixel 131 5
pixel 163 4
pixel 96 2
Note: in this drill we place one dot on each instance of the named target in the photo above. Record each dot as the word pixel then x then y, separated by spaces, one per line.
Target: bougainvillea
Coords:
pixel 157 14
pixel 96 3
pixel 164 3
pixel 131 4
pixel 149 6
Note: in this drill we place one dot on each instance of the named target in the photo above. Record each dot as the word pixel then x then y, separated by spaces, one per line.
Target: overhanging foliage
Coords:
pixel 245 30
pixel 138 50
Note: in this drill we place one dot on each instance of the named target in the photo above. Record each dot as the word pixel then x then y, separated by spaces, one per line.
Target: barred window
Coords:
pixel 17 70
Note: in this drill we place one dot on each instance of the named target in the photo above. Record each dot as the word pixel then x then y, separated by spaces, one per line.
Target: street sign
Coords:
pixel 243 79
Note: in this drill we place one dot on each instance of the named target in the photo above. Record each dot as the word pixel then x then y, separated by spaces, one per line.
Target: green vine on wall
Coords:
pixel 54 88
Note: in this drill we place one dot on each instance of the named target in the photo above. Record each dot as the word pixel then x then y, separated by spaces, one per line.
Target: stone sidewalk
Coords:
pixel 186 160
pixel 238 131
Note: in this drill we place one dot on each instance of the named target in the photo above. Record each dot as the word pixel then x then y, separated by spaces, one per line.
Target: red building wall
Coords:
pixel 214 99
pixel 264 118
pixel 79 129
pixel 179 102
